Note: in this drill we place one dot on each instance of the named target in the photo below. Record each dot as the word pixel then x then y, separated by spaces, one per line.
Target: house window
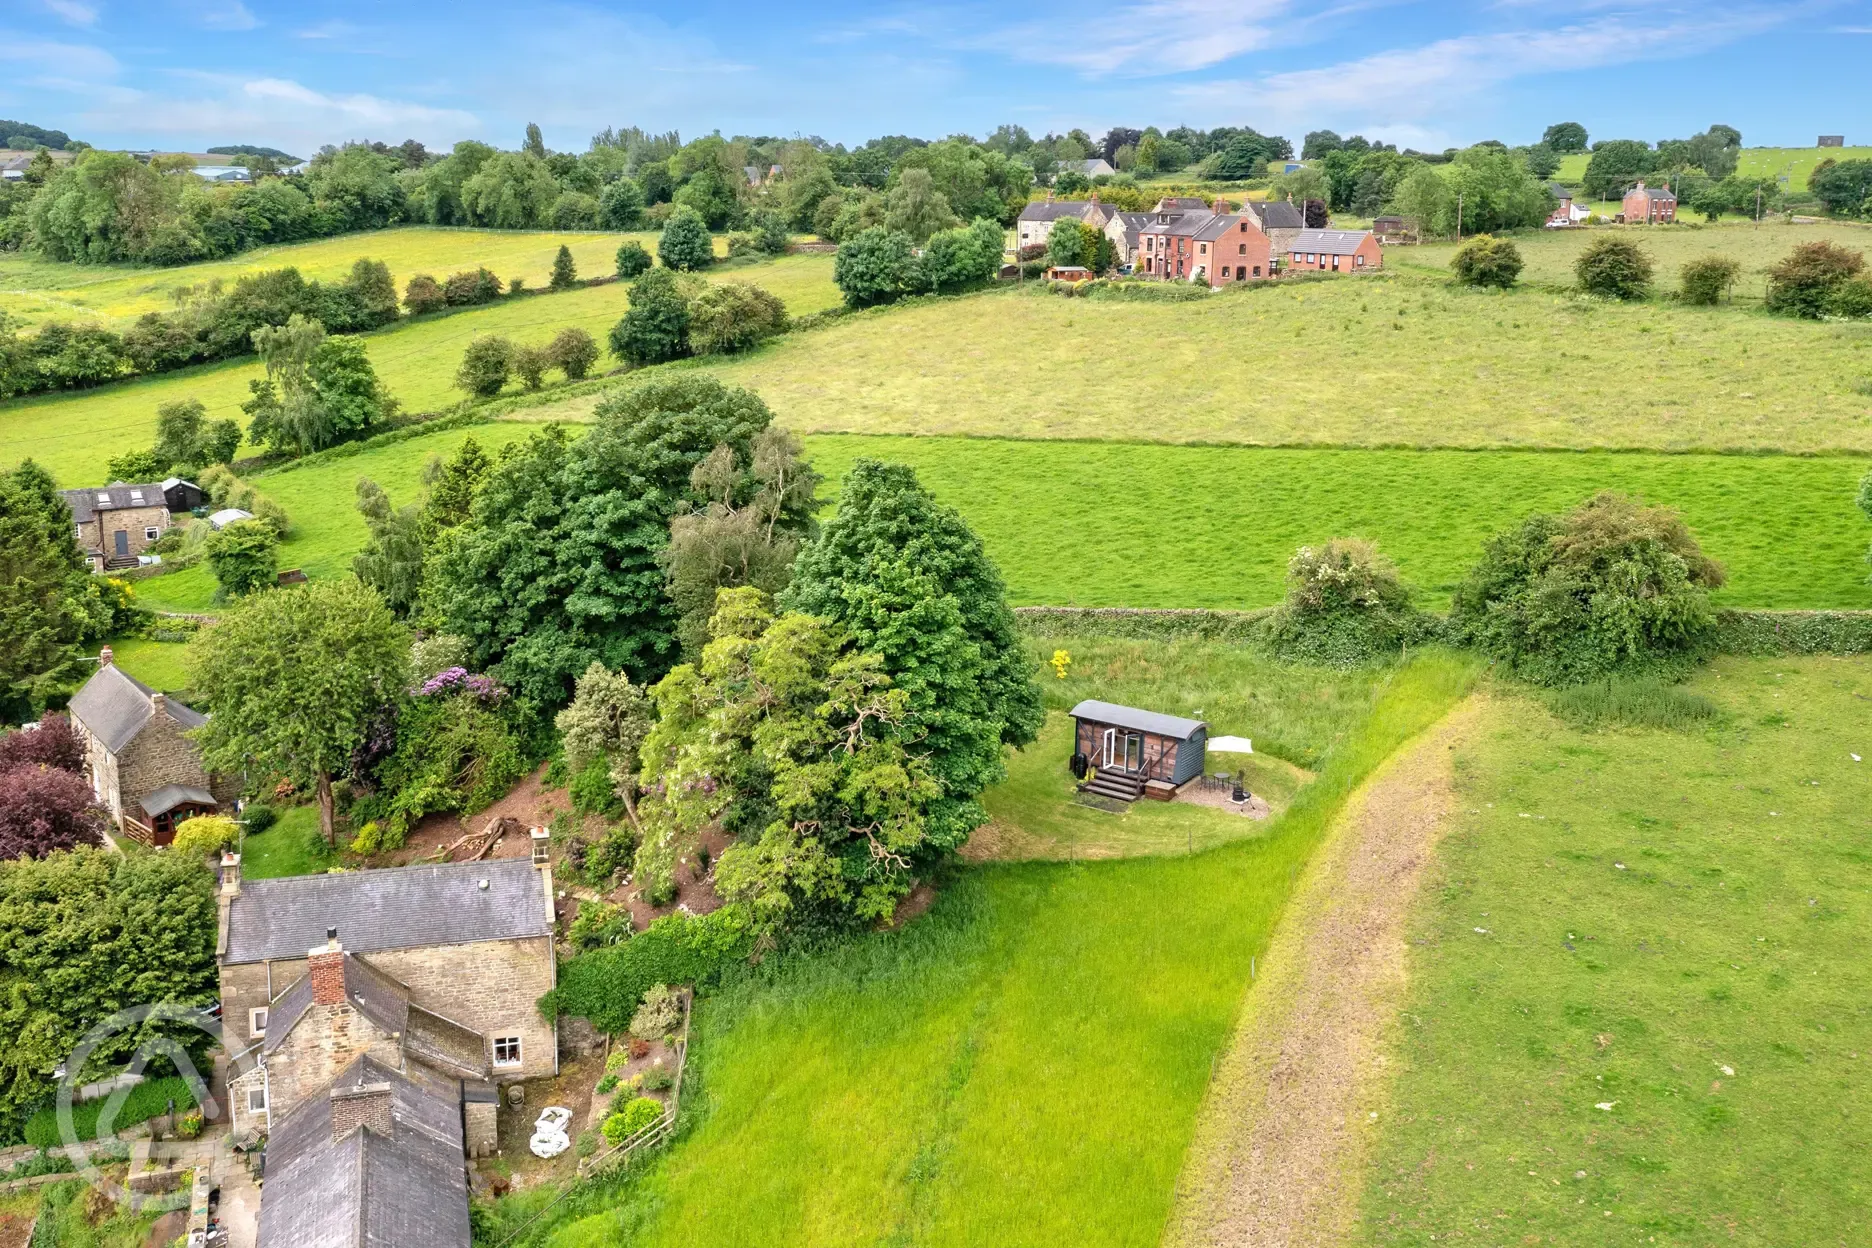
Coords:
pixel 1241 249
pixel 256 1100
pixel 1257 272
pixel 1203 248
pixel 150 535
pixel 506 1050
pixel 256 1022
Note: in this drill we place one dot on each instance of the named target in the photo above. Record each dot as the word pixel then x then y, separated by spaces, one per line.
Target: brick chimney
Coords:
pixel 542 845
pixel 366 1105
pixel 230 873
pixel 1222 208
pixel 158 704
pixel 1049 198
pixel 326 967
pixel 104 657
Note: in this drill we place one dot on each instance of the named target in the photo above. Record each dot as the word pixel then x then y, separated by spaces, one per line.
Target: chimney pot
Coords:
pixel 230 873
pixel 104 657
pixel 542 842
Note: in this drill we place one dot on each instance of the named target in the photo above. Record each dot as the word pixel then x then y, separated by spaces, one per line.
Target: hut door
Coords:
pixel 1111 748
pixel 1134 752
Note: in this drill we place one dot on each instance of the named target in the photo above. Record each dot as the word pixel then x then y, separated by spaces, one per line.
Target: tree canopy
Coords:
pixel 49 602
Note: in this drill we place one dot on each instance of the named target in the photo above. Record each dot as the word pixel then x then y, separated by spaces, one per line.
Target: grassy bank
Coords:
pixel 1023 1064
pixel 1637 1010
pixel 75 434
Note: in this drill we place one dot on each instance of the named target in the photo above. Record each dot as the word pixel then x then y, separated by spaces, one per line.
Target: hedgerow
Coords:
pixel 606 984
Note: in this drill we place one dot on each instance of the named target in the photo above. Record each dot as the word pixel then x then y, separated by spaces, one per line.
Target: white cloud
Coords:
pixel 73 12
pixel 223 15
pixel 275 110
pixel 334 29
pixel 1402 91
pixel 1153 37
pixel 54 60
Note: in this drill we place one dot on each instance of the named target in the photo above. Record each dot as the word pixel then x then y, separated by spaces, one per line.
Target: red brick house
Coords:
pixel 1232 249
pixel 1335 251
pixel 1649 205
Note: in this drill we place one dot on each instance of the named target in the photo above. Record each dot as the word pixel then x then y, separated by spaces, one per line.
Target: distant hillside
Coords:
pixel 248 149
pixel 1792 163
pixel 22 136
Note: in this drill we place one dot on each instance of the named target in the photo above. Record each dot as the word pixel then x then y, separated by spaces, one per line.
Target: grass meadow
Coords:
pixel 1638 981
pixel 75 433
pixel 1020 1066
pixel 36 290
pixel 1108 524
pixel 1793 163
pixel 1550 254
pixel 1404 359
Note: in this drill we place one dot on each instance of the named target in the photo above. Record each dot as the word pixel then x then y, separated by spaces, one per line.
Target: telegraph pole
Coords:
pixel 1459 195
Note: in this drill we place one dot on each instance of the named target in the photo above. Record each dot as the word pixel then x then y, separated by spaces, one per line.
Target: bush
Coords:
pixel 593 792
pixel 204 835
pixel 685 242
pixel 634 1117
pixel 606 985
pixel 424 294
pixel 658 1015
pixel 607 1084
pixel 370 839
pixel 599 924
pixel 587 1144
pixel 1708 279
pixel 610 855
pixel 1487 261
pixel 656 328
pixel 244 557
pixel 1803 281
pixel 573 352
pixel 1614 268
pixel 1633 702
pixel 617 1059
pixel 259 817
pixel 658 1078
pixel 632 259
pixel 564 272
pixel 135 466
pixel 873 267
pixel 770 232
pixel 530 365
pixel 621 205
pixel 733 316
pixel 147 1100
pixel 485 366
pixel 1345 606
pixel 1852 297
pixel 466 289
pixel 1611 588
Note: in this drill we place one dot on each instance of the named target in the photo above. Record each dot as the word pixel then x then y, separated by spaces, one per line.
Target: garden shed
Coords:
pixel 1137 750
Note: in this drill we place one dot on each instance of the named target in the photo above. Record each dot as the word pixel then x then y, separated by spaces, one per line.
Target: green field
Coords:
pixel 1793 163
pixel 74 434
pixel 157 664
pixel 1672 925
pixel 36 290
pixel 1021 1066
pixel 1400 360
pixel 1067 521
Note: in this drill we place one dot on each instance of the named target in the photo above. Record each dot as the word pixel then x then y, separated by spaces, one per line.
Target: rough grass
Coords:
pixel 1107 524
pixel 1020 1066
pixel 1404 359
pixel 145 1101
pixel 74 434
pixel 1633 702
pixel 322 504
pixel 1619 920
pixel 36 290
pixel 1550 254
pixel 1795 163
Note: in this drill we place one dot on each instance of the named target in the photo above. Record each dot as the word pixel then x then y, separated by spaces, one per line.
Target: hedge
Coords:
pixel 606 985
pixel 149 1099
pixel 1761 633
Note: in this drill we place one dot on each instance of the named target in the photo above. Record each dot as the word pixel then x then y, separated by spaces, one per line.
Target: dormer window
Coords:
pixel 103 498
pixel 136 496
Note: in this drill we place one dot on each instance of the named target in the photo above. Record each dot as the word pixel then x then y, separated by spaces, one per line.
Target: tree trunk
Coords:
pixel 327 825
pixel 627 791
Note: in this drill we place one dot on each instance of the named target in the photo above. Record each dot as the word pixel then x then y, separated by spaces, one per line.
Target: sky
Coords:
pixel 189 74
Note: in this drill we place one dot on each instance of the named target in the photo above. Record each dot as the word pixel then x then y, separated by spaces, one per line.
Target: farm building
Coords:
pixel 1650 205
pixel 1334 251
pixel 1069 273
pixel 1136 753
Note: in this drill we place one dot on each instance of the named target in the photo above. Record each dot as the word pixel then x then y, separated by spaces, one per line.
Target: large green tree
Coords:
pixel 1615 165
pixel 295 678
pixel 558 566
pixel 48 604
pixel 911 582
pixel 318 390
pixel 86 933
pixel 392 559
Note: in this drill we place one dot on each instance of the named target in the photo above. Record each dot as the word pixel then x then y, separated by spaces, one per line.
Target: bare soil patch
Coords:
pixel 529 804
pixel 1281 1140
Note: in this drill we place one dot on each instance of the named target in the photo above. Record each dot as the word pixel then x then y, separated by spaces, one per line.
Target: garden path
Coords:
pixel 1280 1143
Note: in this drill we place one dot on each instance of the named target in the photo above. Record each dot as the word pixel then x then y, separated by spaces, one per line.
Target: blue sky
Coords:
pixel 185 74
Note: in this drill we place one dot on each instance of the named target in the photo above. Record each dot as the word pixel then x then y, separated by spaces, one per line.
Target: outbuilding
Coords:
pixel 1141 753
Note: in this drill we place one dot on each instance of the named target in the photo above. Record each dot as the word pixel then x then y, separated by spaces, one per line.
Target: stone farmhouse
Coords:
pixel 1649 205
pixel 371 1016
pixel 144 769
pixel 115 523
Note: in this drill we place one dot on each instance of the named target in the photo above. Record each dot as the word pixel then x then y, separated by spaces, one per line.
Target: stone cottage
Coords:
pixel 115 523
pixel 144 769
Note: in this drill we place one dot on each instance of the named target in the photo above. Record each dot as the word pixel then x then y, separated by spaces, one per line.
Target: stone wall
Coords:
pixel 158 755
pixel 326 1040
pixel 492 987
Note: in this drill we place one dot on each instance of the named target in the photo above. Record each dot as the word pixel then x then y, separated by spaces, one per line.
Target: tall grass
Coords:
pixel 1633 702
pixel 1021 1066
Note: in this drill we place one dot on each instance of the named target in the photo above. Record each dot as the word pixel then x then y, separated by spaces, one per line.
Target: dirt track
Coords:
pixel 1278 1154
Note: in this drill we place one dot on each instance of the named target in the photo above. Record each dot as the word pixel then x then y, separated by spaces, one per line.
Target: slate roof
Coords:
pixel 391 908
pixel 1218 227
pixel 86 504
pixel 1053 209
pixel 1329 242
pixel 1144 721
pixel 114 705
pixel 1190 223
pixel 171 796
pixel 379 998
pixel 366 1189
pixel 446 1045
pixel 1653 192
pixel 1183 203
pixel 1279 214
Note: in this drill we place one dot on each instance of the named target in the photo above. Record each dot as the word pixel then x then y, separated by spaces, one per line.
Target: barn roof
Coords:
pixel 1154 722
pixel 1329 242
pixel 1054 209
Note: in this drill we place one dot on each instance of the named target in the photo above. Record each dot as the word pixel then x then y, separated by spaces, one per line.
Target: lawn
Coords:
pixel 322 503
pixel 1067 520
pixel 1399 360
pixel 74 434
pixel 1022 1065
pixel 36 290
pixel 291 846
pixel 1549 254
pixel 157 664
pixel 1637 1010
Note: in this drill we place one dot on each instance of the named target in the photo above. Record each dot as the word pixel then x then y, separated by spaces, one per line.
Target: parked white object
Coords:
pixel 1231 745
pixel 228 515
pixel 549 1132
